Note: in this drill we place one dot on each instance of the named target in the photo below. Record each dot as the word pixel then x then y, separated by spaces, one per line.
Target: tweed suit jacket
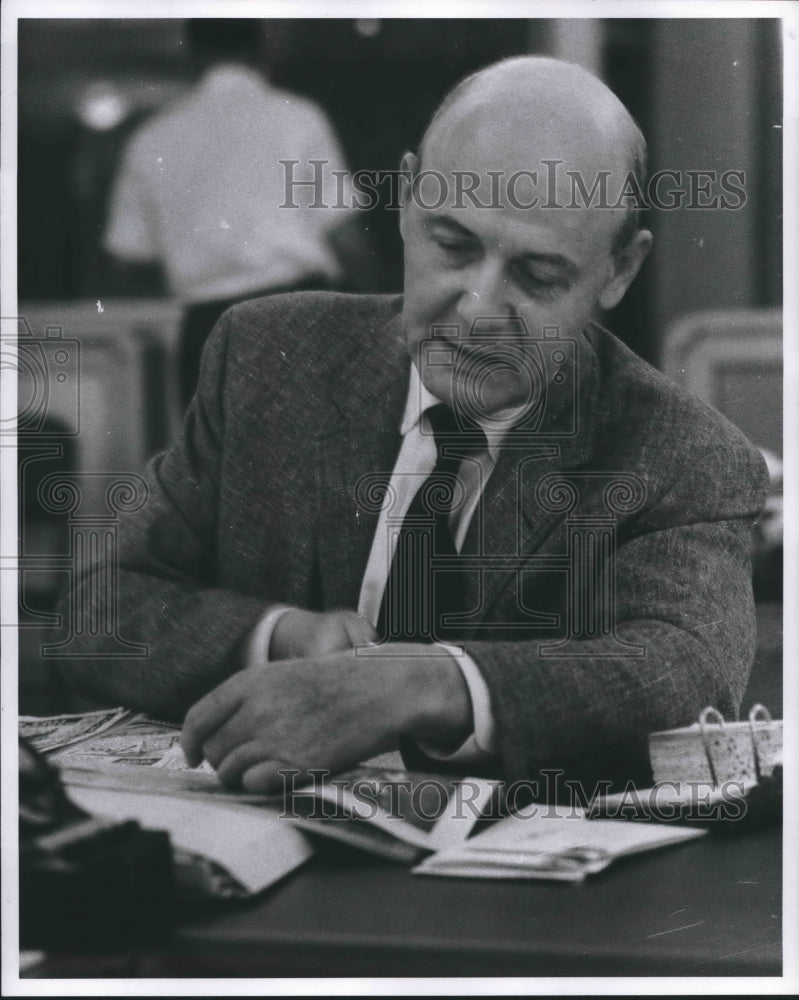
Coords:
pixel 626 487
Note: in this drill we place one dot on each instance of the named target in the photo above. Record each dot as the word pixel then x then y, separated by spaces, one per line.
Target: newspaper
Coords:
pixel 56 731
pixel 97 740
pixel 136 741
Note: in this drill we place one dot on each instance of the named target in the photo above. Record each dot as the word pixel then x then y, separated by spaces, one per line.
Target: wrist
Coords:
pixel 435 702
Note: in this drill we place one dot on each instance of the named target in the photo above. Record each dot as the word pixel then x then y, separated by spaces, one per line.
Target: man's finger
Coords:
pixel 360 631
pixel 206 716
pixel 240 759
pixel 268 777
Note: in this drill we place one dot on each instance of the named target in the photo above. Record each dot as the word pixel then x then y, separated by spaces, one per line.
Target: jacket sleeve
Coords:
pixel 163 594
pixel 683 595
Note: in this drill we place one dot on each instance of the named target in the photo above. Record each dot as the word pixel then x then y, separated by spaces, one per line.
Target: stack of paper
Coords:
pixel 714 751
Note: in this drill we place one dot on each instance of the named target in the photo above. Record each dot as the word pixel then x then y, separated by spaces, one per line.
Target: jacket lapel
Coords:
pixel 357 444
pixel 511 520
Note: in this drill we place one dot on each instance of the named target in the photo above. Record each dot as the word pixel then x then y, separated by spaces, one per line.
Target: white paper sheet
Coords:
pixel 250 842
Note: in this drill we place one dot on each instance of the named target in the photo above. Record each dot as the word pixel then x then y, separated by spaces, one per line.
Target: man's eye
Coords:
pixel 539 278
pixel 539 284
pixel 452 243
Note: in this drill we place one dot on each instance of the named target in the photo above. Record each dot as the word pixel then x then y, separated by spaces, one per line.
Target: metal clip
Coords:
pixel 758 713
pixel 707 716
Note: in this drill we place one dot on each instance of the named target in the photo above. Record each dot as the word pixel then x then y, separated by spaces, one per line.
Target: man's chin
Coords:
pixel 438 381
pixel 469 397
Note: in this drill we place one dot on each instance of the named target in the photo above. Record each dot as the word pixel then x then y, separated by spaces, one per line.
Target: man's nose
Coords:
pixel 485 295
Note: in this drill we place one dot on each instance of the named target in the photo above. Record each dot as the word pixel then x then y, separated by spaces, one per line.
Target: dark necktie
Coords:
pixel 416 598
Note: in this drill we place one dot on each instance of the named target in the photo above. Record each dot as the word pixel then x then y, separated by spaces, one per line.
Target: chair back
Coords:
pixel 732 359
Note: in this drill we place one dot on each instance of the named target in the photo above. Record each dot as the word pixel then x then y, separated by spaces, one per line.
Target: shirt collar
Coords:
pixel 420 399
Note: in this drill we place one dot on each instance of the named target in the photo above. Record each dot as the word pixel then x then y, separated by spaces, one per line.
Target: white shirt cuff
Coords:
pixel 482 742
pixel 256 648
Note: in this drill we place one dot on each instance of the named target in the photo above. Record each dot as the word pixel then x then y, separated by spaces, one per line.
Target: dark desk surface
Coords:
pixel 708 908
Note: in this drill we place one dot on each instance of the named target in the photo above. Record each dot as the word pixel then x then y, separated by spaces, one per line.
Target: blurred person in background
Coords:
pixel 201 186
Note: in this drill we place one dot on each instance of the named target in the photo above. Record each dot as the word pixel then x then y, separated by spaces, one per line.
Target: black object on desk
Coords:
pixel 86 884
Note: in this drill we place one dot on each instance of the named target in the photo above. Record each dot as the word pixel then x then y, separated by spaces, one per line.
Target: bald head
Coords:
pixel 533 109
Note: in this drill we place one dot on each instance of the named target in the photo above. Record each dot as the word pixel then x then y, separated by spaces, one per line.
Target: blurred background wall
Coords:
pixel 707 94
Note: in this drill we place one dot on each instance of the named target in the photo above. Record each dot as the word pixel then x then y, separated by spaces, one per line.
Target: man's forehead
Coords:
pixel 497 149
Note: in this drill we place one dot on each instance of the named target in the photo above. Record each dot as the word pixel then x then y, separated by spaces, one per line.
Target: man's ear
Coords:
pixel 409 167
pixel 626 264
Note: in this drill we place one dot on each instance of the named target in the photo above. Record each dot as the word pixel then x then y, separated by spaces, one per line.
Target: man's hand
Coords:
pixel 302 634
pixel 331 713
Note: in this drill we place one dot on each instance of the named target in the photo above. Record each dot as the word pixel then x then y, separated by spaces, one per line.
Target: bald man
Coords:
pixel 466 522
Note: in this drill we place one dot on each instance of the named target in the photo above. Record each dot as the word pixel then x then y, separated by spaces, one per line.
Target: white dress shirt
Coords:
pixel 201 189
pixel 415 462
